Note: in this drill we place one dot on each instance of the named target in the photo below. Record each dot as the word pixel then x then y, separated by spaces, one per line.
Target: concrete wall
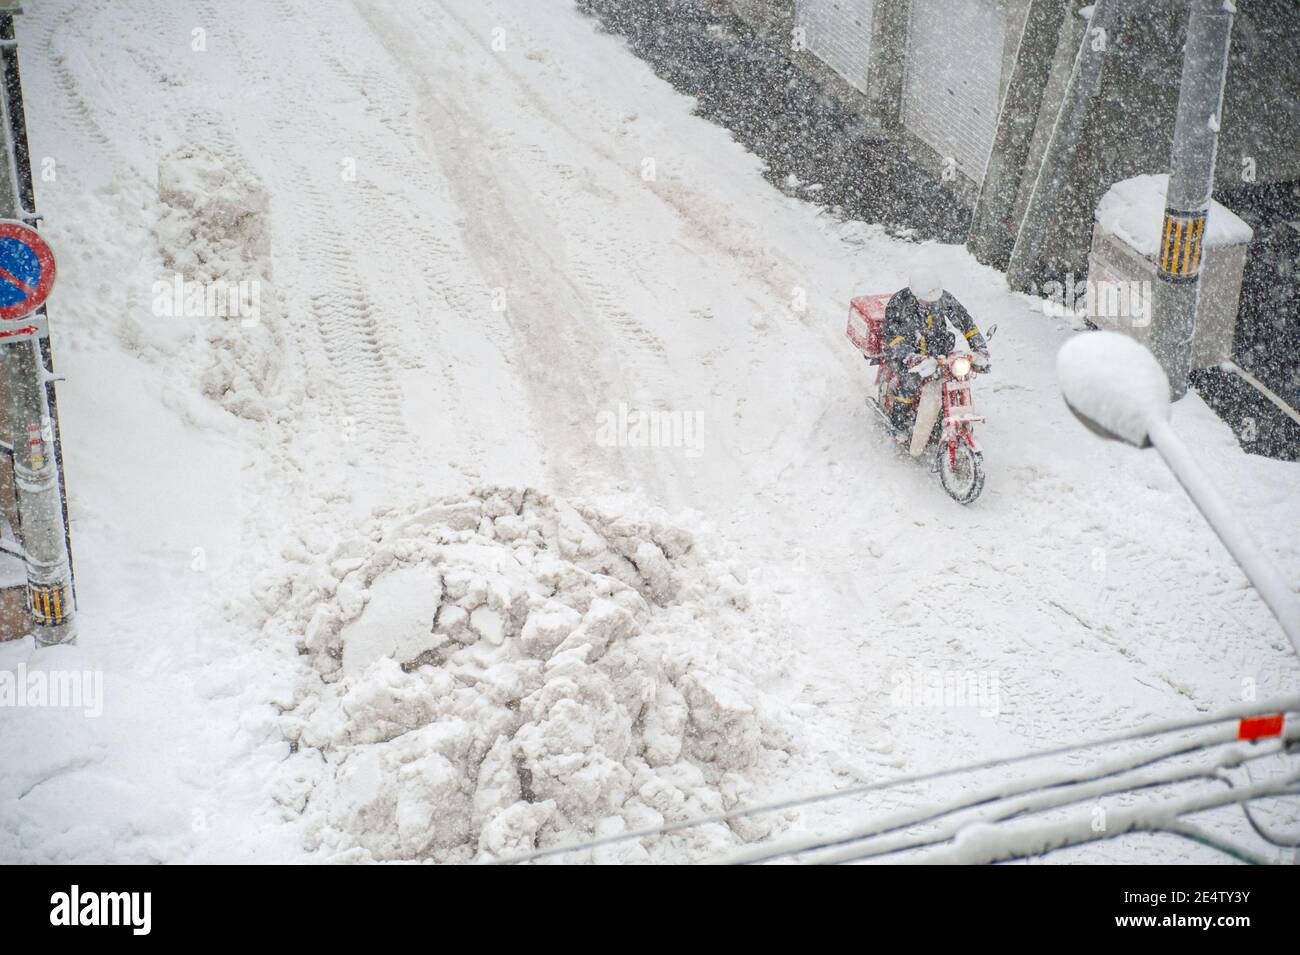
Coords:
pixel 780 18
pixel 838 32
pixel 885 53
pixel 763 15
pixel 1129 129
pixel 1036 77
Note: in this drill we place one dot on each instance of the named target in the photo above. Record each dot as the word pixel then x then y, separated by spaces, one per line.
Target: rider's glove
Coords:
pixel 924 368
pixel 980 361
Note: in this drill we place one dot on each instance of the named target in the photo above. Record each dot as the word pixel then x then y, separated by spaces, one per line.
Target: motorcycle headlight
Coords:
pixel 961 367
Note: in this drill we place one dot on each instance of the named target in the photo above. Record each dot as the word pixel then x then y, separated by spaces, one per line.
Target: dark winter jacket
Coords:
pixel 914 328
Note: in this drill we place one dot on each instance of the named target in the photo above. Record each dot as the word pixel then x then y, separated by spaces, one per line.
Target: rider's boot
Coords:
pixel 901 418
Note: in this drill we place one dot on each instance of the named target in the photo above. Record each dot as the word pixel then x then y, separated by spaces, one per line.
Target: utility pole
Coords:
pixel 1191 180
pixel 29 409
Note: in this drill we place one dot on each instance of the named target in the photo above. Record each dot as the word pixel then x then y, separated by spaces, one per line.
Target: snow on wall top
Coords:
pixel 1133 209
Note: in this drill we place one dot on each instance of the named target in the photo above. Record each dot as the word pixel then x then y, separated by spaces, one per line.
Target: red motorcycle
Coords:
pixel 942 416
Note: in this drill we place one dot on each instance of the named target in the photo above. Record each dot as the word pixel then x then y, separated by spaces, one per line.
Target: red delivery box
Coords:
pixel 867 324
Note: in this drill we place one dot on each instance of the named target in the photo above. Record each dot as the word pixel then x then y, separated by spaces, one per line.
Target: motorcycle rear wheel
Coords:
pixel 965 480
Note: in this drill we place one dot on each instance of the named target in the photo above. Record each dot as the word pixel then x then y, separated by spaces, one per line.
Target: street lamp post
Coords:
pixel 1115 386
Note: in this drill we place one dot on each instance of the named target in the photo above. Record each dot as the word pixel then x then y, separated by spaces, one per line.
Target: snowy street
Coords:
pixel 485 232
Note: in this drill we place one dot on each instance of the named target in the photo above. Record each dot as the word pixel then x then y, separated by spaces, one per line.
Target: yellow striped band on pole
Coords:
pixel 48 603
pixel 1180 246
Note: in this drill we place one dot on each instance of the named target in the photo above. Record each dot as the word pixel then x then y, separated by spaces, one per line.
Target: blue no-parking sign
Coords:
pixel 26 271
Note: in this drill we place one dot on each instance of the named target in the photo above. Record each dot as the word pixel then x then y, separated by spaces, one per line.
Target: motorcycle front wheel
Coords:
pixel 962 476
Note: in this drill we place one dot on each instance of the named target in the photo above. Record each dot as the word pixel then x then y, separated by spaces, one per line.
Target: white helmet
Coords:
pixel 926 285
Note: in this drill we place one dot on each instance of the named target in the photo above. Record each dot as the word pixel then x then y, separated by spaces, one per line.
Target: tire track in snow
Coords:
pixel 54 24
pixel 397 214
pixel 322 274
pixel 709 227
pixel 697 212
pixel 599 255
pixel 634 339
pixel 297 329
pixel 445 276
pixel 348 327
pixel 568 363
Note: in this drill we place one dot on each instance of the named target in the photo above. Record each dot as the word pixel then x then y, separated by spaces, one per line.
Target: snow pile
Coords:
pixel 1134 210
pixel 509 670
pixel 214 239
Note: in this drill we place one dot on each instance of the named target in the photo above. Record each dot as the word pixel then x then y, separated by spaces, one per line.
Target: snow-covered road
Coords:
pixel 489 227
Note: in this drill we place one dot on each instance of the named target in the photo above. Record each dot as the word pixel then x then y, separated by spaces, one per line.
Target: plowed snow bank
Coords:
pixel 214 238
pixel 510 670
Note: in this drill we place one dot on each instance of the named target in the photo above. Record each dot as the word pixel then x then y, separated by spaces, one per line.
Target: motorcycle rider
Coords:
pixel 916 330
